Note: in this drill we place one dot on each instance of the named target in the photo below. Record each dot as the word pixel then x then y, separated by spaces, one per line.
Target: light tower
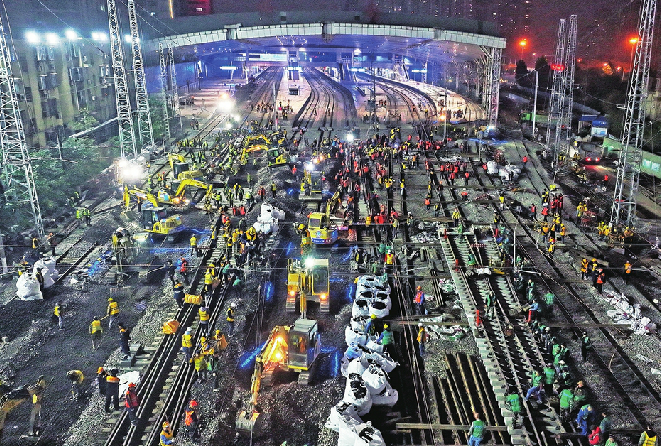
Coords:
pixel 569 69
pixel 17 182
pixel 124 119
pixel 556 103
pixel 628 169
pixel 164 88
pixel 145 130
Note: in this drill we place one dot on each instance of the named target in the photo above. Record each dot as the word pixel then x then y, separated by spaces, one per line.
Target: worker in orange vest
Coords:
pixel 191 421
pixel 627 272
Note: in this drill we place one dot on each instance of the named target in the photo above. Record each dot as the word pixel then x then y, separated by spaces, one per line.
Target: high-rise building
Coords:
pixel 57 78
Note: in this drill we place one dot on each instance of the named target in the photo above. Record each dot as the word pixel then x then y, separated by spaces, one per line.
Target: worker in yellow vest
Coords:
pixel 193 245
pixel 96 331
pixel 203 312
pixel 112 312
pixel 648 437
pixel 187 343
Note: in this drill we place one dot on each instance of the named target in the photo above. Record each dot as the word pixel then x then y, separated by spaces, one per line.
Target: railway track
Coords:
pixel 636 393
pixel 323 95
pixel 410 96
pixel 263 94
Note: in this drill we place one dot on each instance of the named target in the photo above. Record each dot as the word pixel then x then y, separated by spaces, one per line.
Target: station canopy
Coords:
pixel 428 39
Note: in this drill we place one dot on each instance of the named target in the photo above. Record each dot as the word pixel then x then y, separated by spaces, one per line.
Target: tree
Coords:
pixel 521 74
pixel 544 70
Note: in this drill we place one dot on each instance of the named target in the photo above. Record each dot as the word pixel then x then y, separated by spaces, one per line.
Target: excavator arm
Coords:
pixel 142 194
pixel 190 182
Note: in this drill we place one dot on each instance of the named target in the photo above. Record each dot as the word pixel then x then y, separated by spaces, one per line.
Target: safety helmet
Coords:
pixel 419 288
pixel 193 403
pixel 204 309
pixel 373 316
pixel 594 260
pixel 101 370
pixel 217 332
pixel 166 424
pixel 110 299
pixel 385 326
pixel 189 329
pixel 131 385
pixel 233 305
pixel 203 339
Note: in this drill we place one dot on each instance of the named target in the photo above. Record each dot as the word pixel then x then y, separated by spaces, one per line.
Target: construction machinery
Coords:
pixel 11 399
pixel 312 184
pixel 289 348
pixel 181 169
pixel 162 197
pixel 321 228
pixel 308 280
pixel 277 157
pixel 184 184
pixel 155 220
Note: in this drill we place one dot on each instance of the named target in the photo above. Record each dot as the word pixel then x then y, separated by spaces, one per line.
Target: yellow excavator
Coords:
pixel 320 227
pixel 154 219
pixel 181 190
pixel 308 280
pixel 277 157
pixel 311 186
pixel 181 168
pixel 292 348
pixel 11 399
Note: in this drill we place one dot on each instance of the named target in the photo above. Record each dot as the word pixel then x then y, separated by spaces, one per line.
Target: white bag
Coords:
pixel 27 287
pixel 387 397
pixel 48 270
pixel 358 394
pixel 375 378
pixel 341 415
pixel 367 435
pixel 351 336
pixel 383 360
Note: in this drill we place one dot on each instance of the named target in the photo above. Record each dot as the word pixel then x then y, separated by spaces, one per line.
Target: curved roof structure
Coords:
pixel 430 39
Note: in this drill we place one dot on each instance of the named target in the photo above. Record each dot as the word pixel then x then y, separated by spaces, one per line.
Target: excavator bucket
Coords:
pixel 245 420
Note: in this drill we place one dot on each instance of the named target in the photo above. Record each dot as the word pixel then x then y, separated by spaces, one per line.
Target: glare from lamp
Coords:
pixel 32 37
pixel 70 34
pixel 52 39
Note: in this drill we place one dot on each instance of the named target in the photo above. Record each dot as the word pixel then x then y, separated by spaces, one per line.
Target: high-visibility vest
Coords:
pixel 57 312
pixel 648 441
pixel 95 326
pixel 390 258
pixel 204 315
pixel 627 268
pixel 189 417
pixel 230 315
pixel 186 340
pixel 208 279
pixel 584 266
pixel 113 308
pixel 600 278
pixel 193 241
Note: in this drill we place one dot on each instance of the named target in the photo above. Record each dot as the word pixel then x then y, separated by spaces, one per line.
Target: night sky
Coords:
pixel 604 28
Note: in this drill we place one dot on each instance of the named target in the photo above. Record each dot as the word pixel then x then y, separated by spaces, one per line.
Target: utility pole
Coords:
pixel 145 130
pixel 631 156
pixel 124 118
pixel 17 183
pixel 164 89
pixel 534 105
